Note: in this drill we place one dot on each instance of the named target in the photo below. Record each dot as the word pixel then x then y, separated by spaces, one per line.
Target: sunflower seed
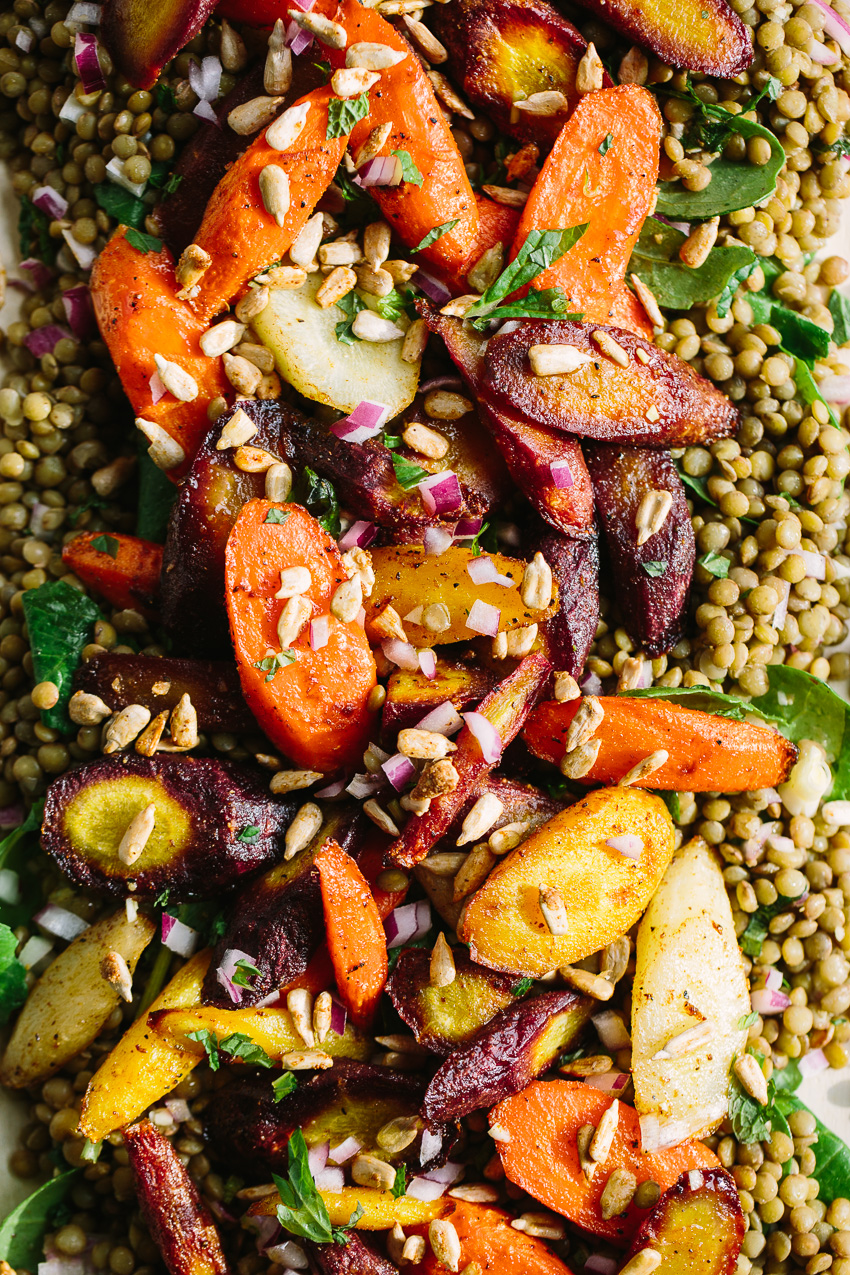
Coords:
pixel 137 834
pixel 177 382
pixel 302 830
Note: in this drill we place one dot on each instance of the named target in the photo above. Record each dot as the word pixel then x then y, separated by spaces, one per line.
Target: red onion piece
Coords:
pixel 431 1145
pixel 85 11
pixel 611 1030
pixel 449 1172
pixel 24 40
pixel 304 5
pixel 88 63
pixel 836 26
pixel 72 109
pixel 482 570
pixel 813 1062
pixel 441 492
pixel 178 937
pixel 363 786
pixel 206 78
pixel 628 844
pixel 36 947
pixel 815 563
pixel 79 311
pixel 317 1157
pixel 408 922
pixel 468 527
pixel 608 1082
pixel 768 1002
pixel 226 970
pixel 10 886
pixel 204 111
pixel 327 1180
pixel 83 253
pixel 297 39
pixel 433 288
pixel 43 340
pixel 383 170
pixel 339 1016
pixel 320 631
pixel 599 1265
pixel 442 720
pixel 40 274
pixel 436 540
pixel 157 388
pixel 483 618
pixel 441 383
pixel 344 1151
pixel 178 1109
pixel 821 54
pixel 591 684
pixel 358 536
pixel 773 980
pixel 364 422
pixel 49 201
pixel 399 770
pixel 562 475
pixel 266 1229
pixel 401 653
pixel 11 816
pixel 489 739
pixel 428 664
pixel 336 789
pixel 780 615
pixel 60 922
pixel 425 1189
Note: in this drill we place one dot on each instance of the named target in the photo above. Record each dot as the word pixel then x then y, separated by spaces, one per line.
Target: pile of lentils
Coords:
pixel 67 464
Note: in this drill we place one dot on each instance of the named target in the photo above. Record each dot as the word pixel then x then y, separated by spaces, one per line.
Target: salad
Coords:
pixel 423 537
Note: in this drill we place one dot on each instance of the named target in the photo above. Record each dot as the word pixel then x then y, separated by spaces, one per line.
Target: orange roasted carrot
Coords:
pixel 489 1243
pixel 356 940
pixel 370 861
pixel 237 231
pixel 496 224
pixel 601 171
pixel 404 97
pixel 124 569
pixel 140 315
pixel 542 1156
pixel 627 312
pixel 311 703
pixel 706 753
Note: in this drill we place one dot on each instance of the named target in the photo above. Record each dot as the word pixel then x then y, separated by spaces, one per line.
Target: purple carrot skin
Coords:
pixel 568 636
pixel 700 36
pixel 159 682
pixel 355 1257
pixel 651 581
pixel 517 1045
pixel 697 1224
pixel 506 708
pixel 647 398
pixel 176 1216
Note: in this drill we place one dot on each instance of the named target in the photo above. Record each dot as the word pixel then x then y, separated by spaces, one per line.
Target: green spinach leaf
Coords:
pixel 733 185
pixel 832 1155
pixel 839 308
pixel 157 494
pixel 22 1233
pixel 141 242
pixel 540 249
pixel 124 207
pixel 59 620
pixel 34 233
pixel 655 260
pixel 13 980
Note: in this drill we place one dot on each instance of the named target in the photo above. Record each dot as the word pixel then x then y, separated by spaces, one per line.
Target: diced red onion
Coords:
pixel 37 524
pixel 85 11
pixel 317 1157
pixel 34 950
pixel 784 845
pixel 815 563
pixel 449 1172
pixel 773 979
pixel 767 1002
pixel 266 1228
pixel 611 1030
pixel 49 201
pixel 383 170
pixel 220 1212
pixel 21 285
pixel 608 1081
pixel 813 1062
pixel 431 1145
pixel 60 922
pixel 441 383
pixel 364 422
pixel 43 340
pixel 344 1151
pixel 489 739
pixel 24 40
pixel 79 311
pixel 336 789
pixel 683 226
pixel 329 1179
pixel 205 111
pixel 11 816
pixel 628 844
pixel 408 922
pixel 360 618
pixel 483 618
pixel 226 970
pixel 835 389
pixel 157 388
pixel 178 1109
pixel 297 39
pixel 339 1016
pixel 442 720
pixel 10 886
pixel 401 653
pixel 40 273
pixel 433 288
pixel 428 664
pixel 72 109
pixel 206 78
pixel 304 5
pixel 780 614
pixel 591 684
pixel 88 63
pixel 178 937
pixel 83 253
pixel 436 540
pixel 510 325
pixel 399 770
pixel 441 492
pixel 468 527
pixel 836 26
pixel 824 56
pixel 562 475
pixel 600 1265
pixel 425 1189
pixel 320 631
pixel 363 786
pixel 358 536
pixel 482 570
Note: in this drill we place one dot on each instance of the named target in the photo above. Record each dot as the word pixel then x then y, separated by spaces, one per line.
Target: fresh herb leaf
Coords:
pixel 142 242
pixel 523 987
pixel 20 852
pixel 157 494
pixel 800 337
pixel 356 1215
pixel 435 234
pixel 59 620
pixel 173 182
pixel 485 541
pixel 13 980
pixel 543 303
pixel 249 833
pixel 751 1122
pixel 723 304
pixel 244 973
pixel 540 249
pixel 120 204
pixel 209 1040
pixel 654 568
pixel 409 171
pixel 808 390
pixel 284 1085
pixel 106 544
pixel 162 898
pixel 359 205
pixel 165 99
pixel 272 664
pixel 697 485
pixel 34 233
pixel 320 498
pixel 91 1151
pixel 715 564
pixel 278 516
pixel 344 112
pixel 758 926
pixel 302 1210
pixel 22 1232
pixel 673 804
pixel 747 1021
pixel 655 260
pixel 605 145
pixel 399 1187
pixel 408 474
pixel 839 308
pixel 351 305
pixel 394 305
pixel 237 1045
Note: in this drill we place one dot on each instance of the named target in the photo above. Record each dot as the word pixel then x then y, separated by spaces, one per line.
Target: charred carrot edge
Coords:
pixel 124 569
pixel 356 940
pixel 705 753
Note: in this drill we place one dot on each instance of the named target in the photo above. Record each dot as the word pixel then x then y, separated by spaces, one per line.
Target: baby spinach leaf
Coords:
pixel 808 390
pixel 34 233
pixel 697 485
pixel 119 203
pixel 435 234
pixel 540 249
pixel 319 497
pixel 733 185
pixel 157 494
pixel 715 564
pixel 723 304
pixel 749 1119
pixel 839 308
pixel 655 260
pixel 409 171
pixel 13 980
pixel 545 303
pixel 141 242
pixel 800 337
pixel 344 112
pixel 832 1155
pixel 22 1233
pixel 302 1210
pixel 59 620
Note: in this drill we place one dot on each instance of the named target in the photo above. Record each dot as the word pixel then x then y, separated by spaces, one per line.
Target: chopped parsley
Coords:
pixel 272 664
pixel 409 171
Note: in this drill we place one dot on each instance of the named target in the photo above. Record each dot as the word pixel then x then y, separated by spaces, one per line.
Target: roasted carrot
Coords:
pixel 124 569
pixel 542 1155
pixel 356 939
pixel 140 315
pixel 238 232
pixel 627 312
pixel 488 1243
pixel 601 171
pixel 706 753
pixel 404 97
pixel 370 861
pixel 496 225
pixel 311 703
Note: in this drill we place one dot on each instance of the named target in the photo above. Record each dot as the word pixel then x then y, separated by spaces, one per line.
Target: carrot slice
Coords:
pixel 496 224
pixel 601 171
pixel 139 315
pixel 124 569
pixel 237 231
pixel 488 1240
pixel 314 708
pixel 627 312
pixel 707 753
pixel 542 1156
pixel 356 940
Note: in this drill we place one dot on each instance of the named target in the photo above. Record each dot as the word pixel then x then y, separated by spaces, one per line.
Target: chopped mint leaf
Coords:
pixel 278 516
pixel 409 171
pixel 272 664
pixel 344 112
pixel 654 568
pixel 106 544
pixel 285 1084
pixel 435 234
pixel 141 242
